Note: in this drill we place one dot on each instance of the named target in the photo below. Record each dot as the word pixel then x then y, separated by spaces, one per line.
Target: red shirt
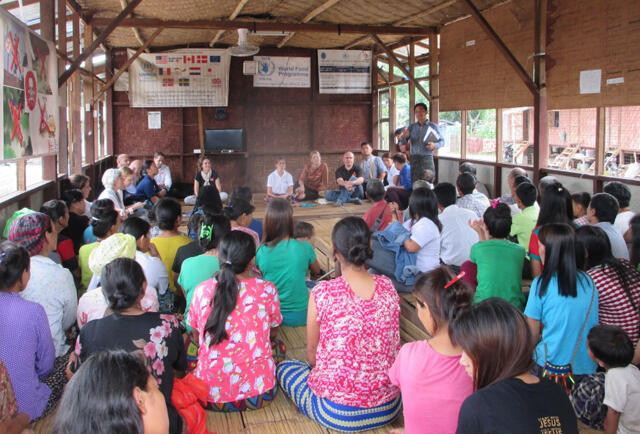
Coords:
pixel 378 209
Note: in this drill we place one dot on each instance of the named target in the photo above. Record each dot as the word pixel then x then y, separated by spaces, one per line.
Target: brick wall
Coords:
pixel 277 122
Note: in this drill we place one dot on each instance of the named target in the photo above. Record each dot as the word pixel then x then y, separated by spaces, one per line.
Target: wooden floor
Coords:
pixel 281 416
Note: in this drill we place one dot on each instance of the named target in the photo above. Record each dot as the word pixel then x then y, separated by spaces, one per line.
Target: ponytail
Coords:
pixel 235 252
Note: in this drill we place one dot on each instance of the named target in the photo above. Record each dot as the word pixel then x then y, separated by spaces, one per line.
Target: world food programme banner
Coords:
pixel 282 72
pixel 181 78
pixel 29 109
pixel 344 71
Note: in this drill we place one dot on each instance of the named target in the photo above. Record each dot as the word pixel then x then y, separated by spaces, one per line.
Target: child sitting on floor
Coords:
pixel 279 182
pixel 611 348
pixel 303 231
pixel 379 215
pixel 233 317
pixel 432 381
pixel 498 261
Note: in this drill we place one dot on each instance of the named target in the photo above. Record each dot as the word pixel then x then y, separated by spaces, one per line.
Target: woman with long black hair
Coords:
pixel 562 307
pixel 233 317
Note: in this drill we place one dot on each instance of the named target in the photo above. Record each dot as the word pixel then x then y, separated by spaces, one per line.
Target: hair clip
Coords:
pixel 206 231
pixel 455 279
pixel 2 255
pixel 227 262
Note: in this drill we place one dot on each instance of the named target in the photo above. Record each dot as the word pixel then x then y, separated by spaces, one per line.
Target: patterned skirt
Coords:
pixel 292 376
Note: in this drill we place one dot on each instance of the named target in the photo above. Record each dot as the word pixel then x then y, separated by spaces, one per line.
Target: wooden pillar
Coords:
pixel 392 113
pixel 76 129
pixel 412 71
pixel 463 135
pixel 63 132
pixel 497 170
pixel 600 147
pixel 375 139
pixel 434 80
pixel 48 32
pixel 21 167
pixel 87 89
pixel 540 122
pixel 109 103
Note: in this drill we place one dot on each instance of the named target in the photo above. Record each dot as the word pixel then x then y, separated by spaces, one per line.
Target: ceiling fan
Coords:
pixel 243 49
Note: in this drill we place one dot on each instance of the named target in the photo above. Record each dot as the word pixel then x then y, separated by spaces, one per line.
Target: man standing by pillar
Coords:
pixel 425 137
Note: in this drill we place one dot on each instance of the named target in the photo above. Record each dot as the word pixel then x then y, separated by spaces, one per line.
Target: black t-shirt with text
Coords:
pixel 513 406
pixel 342 172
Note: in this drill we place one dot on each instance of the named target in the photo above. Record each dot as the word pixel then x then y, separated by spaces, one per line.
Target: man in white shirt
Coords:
pixel 280 182
pixel 456 237
pixel 621 192
pixel 163 178
pixel 372 166
pixel 466 184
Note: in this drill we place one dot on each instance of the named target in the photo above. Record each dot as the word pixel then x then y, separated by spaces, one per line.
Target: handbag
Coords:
pixel 563 374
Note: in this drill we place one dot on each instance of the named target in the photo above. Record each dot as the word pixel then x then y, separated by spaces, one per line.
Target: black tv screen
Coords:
pixel 224 140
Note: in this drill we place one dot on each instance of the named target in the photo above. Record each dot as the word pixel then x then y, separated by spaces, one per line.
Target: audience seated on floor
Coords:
pixel 313 179
pixel 561 352
pixel 59 215
pixel 602 212
pixel 245 193
pixel 623 195
pixel 481 192
pixel 168 215
pixel 147 186
pixel 110 383
pixel 348 358
pixel 466 184
pixel 431 379
pixel 26 347
pixel 105 222
pixel 235 318
pixel 349 179
pixel 163 177
pixel 580 202
pixel 617 281
pixel 50 285
pixel 78 222
pixel 80 182
pixel 555 207
pixel 400 192
pixel 497 262
pixel 284 261
pixel 197 269
pixel 93 304
pixel 131 328
pixel 523 223
pixel 392 173
pixel 378 216
pixel 497 348
pixel 279 182
pixel 456 237
pixel 240 214
pixel 404 250
pixel 371 165
pixel 508 198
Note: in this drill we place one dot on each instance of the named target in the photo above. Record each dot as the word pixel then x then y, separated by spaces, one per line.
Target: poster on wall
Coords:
pixel 344 71
pixel 282 71
pixel 29 106
pixel 181 78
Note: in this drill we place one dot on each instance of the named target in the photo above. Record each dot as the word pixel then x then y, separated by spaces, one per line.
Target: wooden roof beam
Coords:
pixel 14 5
pixel 257 26
pixel 407 19
pixel 399 64
pixel 126 66
pixel 502 47
pixel 136 32
pixel 111 26
pixel 232 17
pixel 85 71
pixel 311 15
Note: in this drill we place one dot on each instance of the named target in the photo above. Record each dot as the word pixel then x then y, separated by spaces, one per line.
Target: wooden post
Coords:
pixel 76 102
pixel 434 78
pixel 600 146
pixel 109 102
pixel 463 135
pixel 499 158
pixel 540 122
pixel 48 32
pixel 412 71
pixel 21 167
pixel 63 142
pixel 87 90
pixel 200 130
pixel 392 113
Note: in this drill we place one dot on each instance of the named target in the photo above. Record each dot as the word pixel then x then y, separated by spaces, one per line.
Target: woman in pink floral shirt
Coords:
pixel 353 338
pixel 234 317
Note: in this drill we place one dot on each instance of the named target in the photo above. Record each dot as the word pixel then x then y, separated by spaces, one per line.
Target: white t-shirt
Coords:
pixel 457 236
pixel 392 172
pixel 622 393
pixel 164 176
pixel 425 234
pixel 622 221
pixel 113 196
pixel 154 271
pixel 279 184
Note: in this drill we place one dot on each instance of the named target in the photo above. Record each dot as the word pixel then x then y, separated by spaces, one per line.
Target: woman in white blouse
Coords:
pixel 113 183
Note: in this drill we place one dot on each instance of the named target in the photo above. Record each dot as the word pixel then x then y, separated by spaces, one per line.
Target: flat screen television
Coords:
pixel 224 140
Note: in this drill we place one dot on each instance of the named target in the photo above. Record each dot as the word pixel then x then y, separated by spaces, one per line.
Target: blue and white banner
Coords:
pixel 282 72
pixel 344 71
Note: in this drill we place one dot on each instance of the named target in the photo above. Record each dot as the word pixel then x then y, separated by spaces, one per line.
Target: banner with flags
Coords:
pixel 181 78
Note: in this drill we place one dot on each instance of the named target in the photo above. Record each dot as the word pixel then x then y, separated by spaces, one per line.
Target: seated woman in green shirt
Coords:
pixel 284 261
pixel 197 269
pixel 498 261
